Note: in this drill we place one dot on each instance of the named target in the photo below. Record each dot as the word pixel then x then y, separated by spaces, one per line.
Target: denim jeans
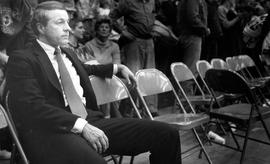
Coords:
pixel 190 49
pixel 139 54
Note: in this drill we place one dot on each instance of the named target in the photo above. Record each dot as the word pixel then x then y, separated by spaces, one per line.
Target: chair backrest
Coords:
pixel 202 66
pixel 151 82
pixel 248 62
pixel 232 63
pixel 219 64
pixel 227 81
pixel 182 73
pixel 111 90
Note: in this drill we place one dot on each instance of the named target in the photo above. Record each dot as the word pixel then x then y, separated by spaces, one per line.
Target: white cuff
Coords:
pixel 79 125
pixel 115 69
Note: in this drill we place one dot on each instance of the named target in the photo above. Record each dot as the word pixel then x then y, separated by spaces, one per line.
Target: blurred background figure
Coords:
pixel 210 44
pixel 101 50
pixel 230 42
pixel 75 37
pixel 136 40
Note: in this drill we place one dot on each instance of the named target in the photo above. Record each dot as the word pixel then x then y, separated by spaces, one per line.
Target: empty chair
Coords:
pixel 182 73
pixel 152 82
pixel 242 114
pixel 232 63
pixel 219 63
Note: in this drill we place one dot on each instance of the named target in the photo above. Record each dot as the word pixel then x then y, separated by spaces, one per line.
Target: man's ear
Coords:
pixel 40 28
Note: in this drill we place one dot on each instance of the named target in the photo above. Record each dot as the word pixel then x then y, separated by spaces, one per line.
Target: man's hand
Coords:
pixel 128 35
pixel 127 74
pixel 96 138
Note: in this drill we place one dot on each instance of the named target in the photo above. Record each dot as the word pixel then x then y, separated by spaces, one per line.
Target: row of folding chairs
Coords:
pixel 110 90
pixel 228 78
pixel 107 91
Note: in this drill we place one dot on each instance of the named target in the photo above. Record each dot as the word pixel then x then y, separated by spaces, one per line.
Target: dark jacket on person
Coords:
pixel 138 17
pixel 192 17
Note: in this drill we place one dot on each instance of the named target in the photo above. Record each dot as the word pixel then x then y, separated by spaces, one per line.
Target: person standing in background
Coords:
pixel 136 40
pixel 192 27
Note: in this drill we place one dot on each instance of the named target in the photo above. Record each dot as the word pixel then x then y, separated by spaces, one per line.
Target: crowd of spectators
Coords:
pixel 121 31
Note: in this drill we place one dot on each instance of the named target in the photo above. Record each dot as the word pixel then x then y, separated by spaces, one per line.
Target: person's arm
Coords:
pixel 118 12
pixel 28 100
pixel 116 57
pixel 222 14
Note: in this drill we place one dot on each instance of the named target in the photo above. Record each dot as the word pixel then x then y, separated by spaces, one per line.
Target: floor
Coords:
pixel 256 153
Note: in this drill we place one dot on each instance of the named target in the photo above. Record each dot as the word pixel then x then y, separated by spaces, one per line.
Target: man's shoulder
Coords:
pixel 26 52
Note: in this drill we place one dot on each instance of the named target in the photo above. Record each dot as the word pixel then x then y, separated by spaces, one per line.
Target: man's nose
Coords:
pixel 66 27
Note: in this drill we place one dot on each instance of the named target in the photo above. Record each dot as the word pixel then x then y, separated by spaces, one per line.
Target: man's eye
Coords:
pixel 60 22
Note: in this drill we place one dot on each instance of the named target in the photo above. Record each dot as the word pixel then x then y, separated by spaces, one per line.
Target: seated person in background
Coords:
pixel 76 34
pixel 103 51
pixel 101 48
pixel 53 103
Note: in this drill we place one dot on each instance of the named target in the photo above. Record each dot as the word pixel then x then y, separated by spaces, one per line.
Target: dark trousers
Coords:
pixel 126 137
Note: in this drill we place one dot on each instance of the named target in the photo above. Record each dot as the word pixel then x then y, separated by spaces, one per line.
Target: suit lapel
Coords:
pixel 47 66
pixel 78 66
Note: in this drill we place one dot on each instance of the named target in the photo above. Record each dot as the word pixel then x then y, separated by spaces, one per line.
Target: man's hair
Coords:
pixel 101 20
pixel 40 15
pixel 74 22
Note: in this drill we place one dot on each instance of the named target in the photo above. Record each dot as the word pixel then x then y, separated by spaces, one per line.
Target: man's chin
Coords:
pixel 63 44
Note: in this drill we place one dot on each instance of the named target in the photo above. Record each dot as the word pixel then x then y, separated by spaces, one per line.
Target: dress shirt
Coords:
pixel 80 123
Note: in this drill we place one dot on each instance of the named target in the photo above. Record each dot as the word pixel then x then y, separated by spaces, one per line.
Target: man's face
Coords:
pixel 79 30
pixel 56 31
pixel 104 30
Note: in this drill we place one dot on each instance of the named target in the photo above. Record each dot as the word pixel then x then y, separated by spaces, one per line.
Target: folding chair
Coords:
pixel 250 64
pixel 152 82
pixel 111 90
pixel 219 63
pixel 243 114
pixel 182 73
pixel 16 146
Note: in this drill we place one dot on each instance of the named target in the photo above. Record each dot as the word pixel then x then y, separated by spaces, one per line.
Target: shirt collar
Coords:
pixel 48 49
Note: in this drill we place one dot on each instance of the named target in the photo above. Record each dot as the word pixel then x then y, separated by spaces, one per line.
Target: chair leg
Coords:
pixel 233 136
pixel 201 144
pixel 120 159
pixel 115 161
pixel 245 144
pixel 132 159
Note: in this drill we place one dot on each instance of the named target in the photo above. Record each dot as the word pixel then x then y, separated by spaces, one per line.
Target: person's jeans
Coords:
pixel 139 54
pixel 190 49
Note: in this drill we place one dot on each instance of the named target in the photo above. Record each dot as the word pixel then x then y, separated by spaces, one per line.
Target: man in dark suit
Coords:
pixel 49 131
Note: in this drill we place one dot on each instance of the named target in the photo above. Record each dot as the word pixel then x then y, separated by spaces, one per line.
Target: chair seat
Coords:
pixel 184 121
pixel 238 113
pixel 198 100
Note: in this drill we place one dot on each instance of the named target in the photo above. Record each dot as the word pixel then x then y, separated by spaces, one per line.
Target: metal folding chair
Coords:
pixel 152 82
pixel 182 73
pixel 243 114
pixel 16 146
pixel 111 90
pixel 219 63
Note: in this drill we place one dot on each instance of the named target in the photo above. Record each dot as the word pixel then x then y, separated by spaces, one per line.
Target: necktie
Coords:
pixel 73 99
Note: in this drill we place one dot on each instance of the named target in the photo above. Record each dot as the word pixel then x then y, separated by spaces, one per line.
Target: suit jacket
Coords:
pixel 36 98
